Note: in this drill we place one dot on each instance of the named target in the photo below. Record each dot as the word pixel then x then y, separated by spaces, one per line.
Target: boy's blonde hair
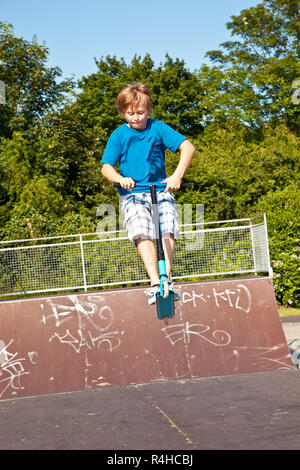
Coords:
pixel 135 94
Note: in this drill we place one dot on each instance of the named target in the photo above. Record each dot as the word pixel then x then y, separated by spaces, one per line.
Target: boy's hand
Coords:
pixel 173 183
pixel 127 183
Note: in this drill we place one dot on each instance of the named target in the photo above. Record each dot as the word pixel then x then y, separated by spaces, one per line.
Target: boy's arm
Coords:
pixel 187 152
pixel 112 175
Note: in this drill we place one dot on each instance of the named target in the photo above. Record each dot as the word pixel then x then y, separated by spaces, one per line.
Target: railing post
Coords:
pixel 2 92
pixel 267 246
pixel 253 246
pixel 83 263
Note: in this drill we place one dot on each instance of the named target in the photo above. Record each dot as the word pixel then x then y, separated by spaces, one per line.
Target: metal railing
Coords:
pixel 104 259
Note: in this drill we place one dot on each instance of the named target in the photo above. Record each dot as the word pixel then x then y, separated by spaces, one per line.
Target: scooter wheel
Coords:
pixel 166 289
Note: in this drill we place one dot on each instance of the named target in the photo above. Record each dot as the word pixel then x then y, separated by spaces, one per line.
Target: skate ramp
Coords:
pixel 110 338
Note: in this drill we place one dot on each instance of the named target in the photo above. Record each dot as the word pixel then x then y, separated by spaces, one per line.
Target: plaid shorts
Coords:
pixel 138 215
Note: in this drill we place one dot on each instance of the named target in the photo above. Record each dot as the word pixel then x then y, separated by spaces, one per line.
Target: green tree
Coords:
pixel 282 207
pixel 256 72
pixel 32 89
pixel 52 173
pixel 17 158
pixel 232 171
pixel 176 93
pixel 69 156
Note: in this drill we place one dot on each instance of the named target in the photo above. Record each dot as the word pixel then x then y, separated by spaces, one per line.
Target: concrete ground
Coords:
pixel 257 411
pixel 291 328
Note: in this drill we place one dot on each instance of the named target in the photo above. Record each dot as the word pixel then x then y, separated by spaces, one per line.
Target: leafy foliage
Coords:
pixel 283 207
pixel 176 92
pixel 256 73
pixel 231 170
pixel 239 113
pixel 31 88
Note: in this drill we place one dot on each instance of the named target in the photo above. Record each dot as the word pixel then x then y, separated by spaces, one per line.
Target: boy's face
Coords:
pixel 136 117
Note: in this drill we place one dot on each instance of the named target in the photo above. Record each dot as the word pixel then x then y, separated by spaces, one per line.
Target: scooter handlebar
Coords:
pixel 182 186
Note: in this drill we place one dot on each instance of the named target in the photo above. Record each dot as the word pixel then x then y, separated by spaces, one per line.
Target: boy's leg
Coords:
pixel 147 252
pixel 169 248
pixel 139 224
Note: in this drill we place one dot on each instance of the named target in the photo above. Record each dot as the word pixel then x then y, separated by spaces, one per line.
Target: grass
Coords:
pixel 288 311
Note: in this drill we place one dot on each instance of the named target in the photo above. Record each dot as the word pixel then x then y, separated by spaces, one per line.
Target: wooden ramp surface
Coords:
pixel 99 371
pixel 110 338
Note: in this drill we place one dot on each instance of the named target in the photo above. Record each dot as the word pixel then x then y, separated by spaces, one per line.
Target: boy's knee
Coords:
pixel 168 236
pixel 141 238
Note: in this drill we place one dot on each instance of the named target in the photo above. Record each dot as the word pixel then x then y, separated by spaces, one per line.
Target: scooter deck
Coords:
pixel 165 307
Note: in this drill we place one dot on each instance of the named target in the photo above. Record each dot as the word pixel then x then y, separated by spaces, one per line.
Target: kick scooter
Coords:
pixel 165 304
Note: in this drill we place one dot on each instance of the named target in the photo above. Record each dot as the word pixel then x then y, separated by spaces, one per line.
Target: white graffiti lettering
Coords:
pixel 239 298
pixel 187 297
pixel 183 331
pixel 234 299
pixel 91 323
pixel 87 340
pixel 11 369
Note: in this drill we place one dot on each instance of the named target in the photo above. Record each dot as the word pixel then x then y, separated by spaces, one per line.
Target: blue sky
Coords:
pixel 77 31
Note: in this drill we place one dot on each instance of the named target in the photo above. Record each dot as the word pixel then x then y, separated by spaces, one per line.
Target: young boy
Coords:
pixel 139 147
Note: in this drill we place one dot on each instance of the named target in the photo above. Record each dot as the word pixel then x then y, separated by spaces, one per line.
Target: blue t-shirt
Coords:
pixel 141 153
